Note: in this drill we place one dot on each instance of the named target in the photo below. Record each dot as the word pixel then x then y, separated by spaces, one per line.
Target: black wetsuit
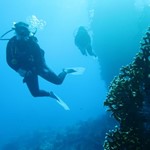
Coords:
pixel 27 55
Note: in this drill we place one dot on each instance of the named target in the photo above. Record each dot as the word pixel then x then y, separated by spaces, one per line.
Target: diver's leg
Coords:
pixel 33 86
pixel 83 51
pixel 90 51
pixel 50 76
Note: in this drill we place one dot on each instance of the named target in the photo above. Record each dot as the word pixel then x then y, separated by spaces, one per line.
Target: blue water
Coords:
pixel 20 113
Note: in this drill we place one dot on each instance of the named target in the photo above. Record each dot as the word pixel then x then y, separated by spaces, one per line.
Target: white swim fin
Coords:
pixel 63 104
pixel 60 101
pixel 76 70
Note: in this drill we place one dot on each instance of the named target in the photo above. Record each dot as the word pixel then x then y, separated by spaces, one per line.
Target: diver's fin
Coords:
pixel 63 104
pixel 59 101
pixel 75 70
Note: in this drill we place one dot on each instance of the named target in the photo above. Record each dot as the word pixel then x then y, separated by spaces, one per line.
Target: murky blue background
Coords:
pixel 19 111
pixel 121 21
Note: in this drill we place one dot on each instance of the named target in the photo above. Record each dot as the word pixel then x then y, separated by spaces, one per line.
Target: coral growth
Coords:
pixel 129 101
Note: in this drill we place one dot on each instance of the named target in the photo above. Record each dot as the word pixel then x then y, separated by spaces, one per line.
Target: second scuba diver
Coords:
pixel 83 42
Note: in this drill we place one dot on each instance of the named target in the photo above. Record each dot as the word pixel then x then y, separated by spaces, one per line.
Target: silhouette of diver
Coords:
pixel 83 42
pixel 24 55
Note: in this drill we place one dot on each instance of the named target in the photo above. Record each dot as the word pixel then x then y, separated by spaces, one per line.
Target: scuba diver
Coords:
pixel 24 55
pixel 83 42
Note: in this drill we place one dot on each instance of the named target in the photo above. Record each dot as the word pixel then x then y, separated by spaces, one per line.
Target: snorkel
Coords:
pixel 21 29
pixel 1 38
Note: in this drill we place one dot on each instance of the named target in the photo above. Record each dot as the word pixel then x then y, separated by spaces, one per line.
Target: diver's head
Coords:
pixel 22 29
pixel 82 28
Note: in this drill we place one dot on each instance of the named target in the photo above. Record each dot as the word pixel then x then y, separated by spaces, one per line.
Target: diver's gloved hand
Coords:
pixel 26 75
pixel 29 73
pixel 22 72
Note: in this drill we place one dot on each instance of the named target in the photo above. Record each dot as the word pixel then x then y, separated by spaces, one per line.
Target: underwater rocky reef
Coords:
pixel 86 135
pixel 129 101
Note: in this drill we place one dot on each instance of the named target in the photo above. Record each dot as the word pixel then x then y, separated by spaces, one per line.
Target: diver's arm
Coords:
pixel 38 54
pixel 11 61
